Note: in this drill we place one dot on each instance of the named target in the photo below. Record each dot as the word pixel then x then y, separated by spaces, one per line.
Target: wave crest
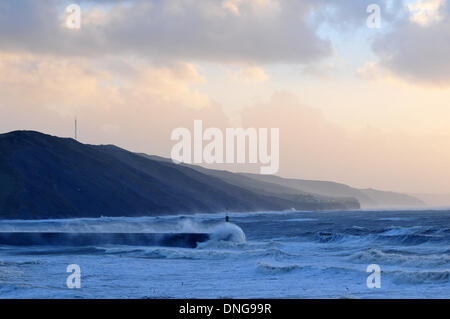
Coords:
pixel 272 269
pixel 422 277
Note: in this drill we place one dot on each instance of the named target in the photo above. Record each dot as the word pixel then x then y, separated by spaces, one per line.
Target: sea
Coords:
pixel 287 254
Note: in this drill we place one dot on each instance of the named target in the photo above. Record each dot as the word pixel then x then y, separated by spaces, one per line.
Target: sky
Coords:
pixel 368 107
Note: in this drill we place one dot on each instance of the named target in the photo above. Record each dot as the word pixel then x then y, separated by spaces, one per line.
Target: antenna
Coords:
pixel 76 129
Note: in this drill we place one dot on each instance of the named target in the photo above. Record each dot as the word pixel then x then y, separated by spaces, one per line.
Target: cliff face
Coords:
pixel 368 198
pixel 43 176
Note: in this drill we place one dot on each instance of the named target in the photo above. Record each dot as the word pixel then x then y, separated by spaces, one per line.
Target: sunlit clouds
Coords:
pixel 426 12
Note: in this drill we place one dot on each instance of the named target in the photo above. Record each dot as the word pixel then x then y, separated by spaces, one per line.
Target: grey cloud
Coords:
pixel 171 29
pixel 417 53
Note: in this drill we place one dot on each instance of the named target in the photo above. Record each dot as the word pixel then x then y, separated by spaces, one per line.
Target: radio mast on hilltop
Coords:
pixel 76 129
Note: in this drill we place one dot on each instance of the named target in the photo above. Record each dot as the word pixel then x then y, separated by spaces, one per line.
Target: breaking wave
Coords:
pixel 227 232
pixel 272 269
pixel 407 236
pixel 422 277
pixel 391 258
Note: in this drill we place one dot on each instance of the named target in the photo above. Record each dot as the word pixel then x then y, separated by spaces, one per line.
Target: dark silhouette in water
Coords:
pixel 184 240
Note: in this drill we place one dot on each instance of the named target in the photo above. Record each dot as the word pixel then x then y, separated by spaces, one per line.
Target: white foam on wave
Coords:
pixel 398 231
pixel 301 220
pixel 192 254
pixel 394 219
pixel 275 268
pixel 422 277
pixel 380 257
pixel 227 232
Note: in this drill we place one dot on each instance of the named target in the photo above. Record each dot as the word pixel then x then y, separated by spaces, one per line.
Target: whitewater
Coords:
pixel 257 255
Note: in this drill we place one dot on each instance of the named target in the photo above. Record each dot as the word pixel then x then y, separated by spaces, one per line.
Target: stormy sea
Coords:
pixel 255 255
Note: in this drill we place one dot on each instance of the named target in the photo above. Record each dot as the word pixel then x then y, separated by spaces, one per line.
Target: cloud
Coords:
pixel 425 12
pixel 417 49
pixel 251 31
pixel 249 75
pixel 232 6
pixel 237 7
pixel 372 70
